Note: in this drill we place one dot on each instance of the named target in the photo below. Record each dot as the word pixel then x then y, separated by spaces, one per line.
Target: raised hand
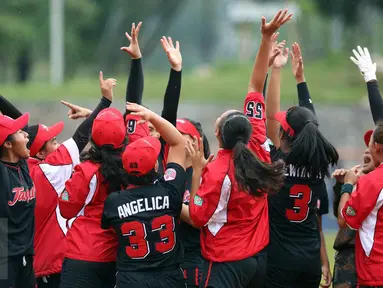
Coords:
pixel 195 151
pixel 282 58
pixel 268 29
pixel 76 112
pixel 107 86
pixel 297 62
pixel 139 110
pixel 276 48
pixel 173 53
pixel 134 48
pixel 364 62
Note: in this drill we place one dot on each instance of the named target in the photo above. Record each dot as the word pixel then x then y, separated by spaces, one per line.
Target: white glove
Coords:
pixel 364 62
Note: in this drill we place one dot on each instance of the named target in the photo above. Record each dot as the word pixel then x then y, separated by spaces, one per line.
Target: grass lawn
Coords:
pixel 330 81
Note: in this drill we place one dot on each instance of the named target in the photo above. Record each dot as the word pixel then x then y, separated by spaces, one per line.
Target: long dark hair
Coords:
pixel 10 139
pixel 206 145
pixel 251 174
pixel 311 153
pixel 111 164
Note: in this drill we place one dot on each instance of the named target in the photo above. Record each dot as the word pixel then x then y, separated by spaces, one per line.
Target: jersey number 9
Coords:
pixel 139 247
pixel 131 126
pixel 301 194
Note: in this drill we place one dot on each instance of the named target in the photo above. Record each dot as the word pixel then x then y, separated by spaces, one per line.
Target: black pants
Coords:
pixel 246 273
pixel 344 269
pixel 17 272
pixel 279 278
pixel 169 278
pixel 51 281
pixel 84 274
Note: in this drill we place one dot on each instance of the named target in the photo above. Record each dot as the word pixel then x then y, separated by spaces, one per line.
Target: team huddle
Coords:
pixel 148 205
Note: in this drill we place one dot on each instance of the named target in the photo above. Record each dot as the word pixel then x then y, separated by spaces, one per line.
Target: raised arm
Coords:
pixel 82 133
pixel 298 72
pixel 8 109
pixel 168 132
pixel 274 94
pixel 173 90
pixel 135 86
pixel 368 69
pixel 260 67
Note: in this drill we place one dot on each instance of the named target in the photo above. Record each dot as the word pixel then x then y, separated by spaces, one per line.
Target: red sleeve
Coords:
pixel 254 109
pixel 207 198
pixel 362 201
pixel 76 192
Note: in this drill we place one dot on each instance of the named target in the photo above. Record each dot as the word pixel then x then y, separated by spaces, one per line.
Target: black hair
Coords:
pixel 310 153
pixel 10 139
pixel 147 179
pixel 205 141
pixel 251 174
pixel 378 132
pixel 111 164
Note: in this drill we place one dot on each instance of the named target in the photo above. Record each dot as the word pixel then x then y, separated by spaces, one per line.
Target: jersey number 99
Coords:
pixel 139 247
pixel 301 194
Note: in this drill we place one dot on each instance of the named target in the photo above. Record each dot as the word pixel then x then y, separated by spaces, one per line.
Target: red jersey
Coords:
pixel 363 212
pixel 49 177
pixel 254 109
pixel 235 224
pixel 83 198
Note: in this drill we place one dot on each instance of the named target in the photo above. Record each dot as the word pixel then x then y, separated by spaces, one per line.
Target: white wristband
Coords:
pixel 368 76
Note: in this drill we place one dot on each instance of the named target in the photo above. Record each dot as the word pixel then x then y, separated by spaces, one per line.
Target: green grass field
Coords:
pixel 330 81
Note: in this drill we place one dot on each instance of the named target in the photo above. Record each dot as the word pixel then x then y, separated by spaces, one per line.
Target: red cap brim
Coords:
pixel 367 137
pixel 20 123
pixel 281 118
pixel 186 127
pixel 45 134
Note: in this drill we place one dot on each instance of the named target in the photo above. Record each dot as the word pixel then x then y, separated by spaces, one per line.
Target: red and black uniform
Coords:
pixel 146 219
pixel 91 251
pixel 234 224
pixel 17 204
pixel 363 212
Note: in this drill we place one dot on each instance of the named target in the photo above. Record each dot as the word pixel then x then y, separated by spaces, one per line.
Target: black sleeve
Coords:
pixel 135 86
pixel 8 109
pixel 276 154
pixel 105 221
pixel 375 99
pixel 335 204
pixel 172 97
pixel 265 86
pixel 304 97
pixel 175 179
pixel 323 198
pixel 82 133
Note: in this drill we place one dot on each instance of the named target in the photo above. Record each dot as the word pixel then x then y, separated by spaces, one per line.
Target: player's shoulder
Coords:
pixel 173 171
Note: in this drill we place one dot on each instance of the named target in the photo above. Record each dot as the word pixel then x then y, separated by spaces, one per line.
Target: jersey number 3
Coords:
pixel 137 232
pixel 254 110
pixel 301 194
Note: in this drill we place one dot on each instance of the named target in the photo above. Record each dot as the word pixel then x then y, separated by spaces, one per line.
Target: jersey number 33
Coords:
pixel 139 247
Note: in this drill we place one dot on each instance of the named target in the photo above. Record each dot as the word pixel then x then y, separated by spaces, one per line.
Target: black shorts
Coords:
pixel 279 278
pixel 192 267
pixel 246 273
pixel 344 269
pixel 85 274
pixel 51 281
pixel 169 278
pixel 17 272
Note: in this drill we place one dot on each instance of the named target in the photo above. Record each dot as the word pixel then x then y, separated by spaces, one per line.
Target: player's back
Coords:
pixel 146 221
pixel 294 230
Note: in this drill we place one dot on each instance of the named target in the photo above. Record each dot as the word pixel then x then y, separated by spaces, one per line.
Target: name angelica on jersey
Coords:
pixel 143 205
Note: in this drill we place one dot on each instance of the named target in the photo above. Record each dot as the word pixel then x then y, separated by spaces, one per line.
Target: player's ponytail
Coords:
pixel 111 164
pixel 310 152
pixel 252 175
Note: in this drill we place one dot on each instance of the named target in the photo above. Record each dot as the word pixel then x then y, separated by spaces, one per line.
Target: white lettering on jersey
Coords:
pixel 143 205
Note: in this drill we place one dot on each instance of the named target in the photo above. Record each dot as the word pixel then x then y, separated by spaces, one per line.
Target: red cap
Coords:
pixel 281 118
pixel 109 128
pixel 43 135
pixel 186 127
pixel 367 137
pixel 140 157
pixel 136 131
pixel 9 126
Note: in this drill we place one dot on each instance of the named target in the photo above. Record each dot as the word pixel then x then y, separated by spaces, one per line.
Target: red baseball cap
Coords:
pixel 186 127
pixel 281 118
pixel 140 157
pixel 9 126
pixel 109 128
pixel 44 134
pixel 367 137
pixel 134 129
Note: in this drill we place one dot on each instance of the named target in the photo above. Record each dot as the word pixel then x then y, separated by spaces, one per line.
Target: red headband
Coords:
pixel 186 127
